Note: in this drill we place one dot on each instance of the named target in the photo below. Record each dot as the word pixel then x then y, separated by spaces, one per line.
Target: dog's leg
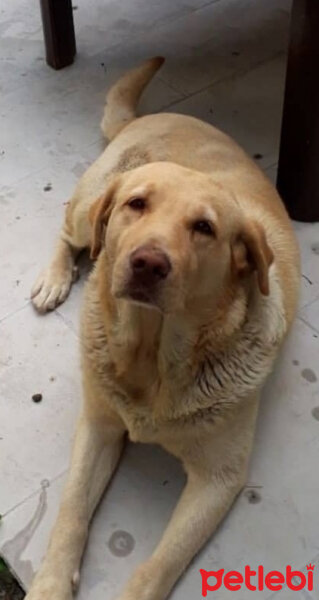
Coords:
pixel 95 455
pixel 54 283
pixel 200 509
pixel 214 480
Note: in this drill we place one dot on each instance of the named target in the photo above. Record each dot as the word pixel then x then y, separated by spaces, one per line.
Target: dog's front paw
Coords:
pixel 52 288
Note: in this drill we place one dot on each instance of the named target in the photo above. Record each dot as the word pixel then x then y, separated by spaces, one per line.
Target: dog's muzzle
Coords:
pixel 149 267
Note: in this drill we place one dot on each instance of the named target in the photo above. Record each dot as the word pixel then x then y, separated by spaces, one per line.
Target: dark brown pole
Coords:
pixel 58 30
pixel 298 170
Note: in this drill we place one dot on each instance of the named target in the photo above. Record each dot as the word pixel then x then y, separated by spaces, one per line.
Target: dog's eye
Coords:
pixel 137 203
pixel 203 227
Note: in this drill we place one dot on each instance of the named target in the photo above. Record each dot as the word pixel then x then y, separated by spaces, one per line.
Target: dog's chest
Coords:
pixel 162 387
pixel 138 419
pixel 141 396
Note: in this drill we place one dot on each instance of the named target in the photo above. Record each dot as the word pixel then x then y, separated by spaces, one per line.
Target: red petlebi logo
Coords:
pixel 257 580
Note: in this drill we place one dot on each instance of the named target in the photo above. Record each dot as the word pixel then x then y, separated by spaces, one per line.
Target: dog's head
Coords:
pixel 172 236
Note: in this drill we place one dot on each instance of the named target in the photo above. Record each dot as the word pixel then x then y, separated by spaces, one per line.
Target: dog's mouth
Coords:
pixel 132 291
pixel 141 295
pixel 153 297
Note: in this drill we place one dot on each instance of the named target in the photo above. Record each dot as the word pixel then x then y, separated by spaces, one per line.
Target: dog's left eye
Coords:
pixel 203 227
pixel 137 203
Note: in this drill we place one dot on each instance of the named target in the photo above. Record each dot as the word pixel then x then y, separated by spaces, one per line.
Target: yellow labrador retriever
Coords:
pixel 194 288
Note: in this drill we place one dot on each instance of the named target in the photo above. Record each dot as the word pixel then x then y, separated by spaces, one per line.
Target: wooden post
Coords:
pixel 58 29
pixel 298 171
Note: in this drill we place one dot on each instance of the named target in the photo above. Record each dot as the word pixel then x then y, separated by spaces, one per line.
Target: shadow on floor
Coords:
pixel 10 589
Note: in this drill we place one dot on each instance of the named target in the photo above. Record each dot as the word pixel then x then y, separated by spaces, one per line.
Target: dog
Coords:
pixel 193 291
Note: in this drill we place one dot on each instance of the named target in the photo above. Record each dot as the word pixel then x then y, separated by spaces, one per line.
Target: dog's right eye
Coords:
pixel 137 203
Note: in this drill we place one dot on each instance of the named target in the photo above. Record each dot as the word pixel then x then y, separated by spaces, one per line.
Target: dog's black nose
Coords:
pixel 149 265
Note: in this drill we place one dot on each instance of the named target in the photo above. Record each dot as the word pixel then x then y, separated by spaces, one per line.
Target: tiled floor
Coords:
pixel 226 64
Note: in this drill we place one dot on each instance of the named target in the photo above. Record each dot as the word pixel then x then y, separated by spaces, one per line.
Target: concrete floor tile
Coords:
pixel 311 314
pixel 137 505
pixel 39 356
pixel 33 213
pixel 308 237
pixel 271 172
pixel 247 107
pixel 218 41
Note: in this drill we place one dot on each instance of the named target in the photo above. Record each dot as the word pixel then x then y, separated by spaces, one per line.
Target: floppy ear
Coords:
pixel 250 252
pixel 99 215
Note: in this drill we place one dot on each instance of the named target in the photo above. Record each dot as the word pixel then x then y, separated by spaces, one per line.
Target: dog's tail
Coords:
pixel 123 97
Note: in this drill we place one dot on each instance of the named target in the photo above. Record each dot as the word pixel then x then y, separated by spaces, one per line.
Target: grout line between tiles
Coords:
pixel 173 88
pixel 14 312
pixel 275 164
pixel 204 6
pixel 265 167
pixel 66 322
pixel 53 480
pixel 308 324
pixel 162 24
pixel 192 11
pixel 310 303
